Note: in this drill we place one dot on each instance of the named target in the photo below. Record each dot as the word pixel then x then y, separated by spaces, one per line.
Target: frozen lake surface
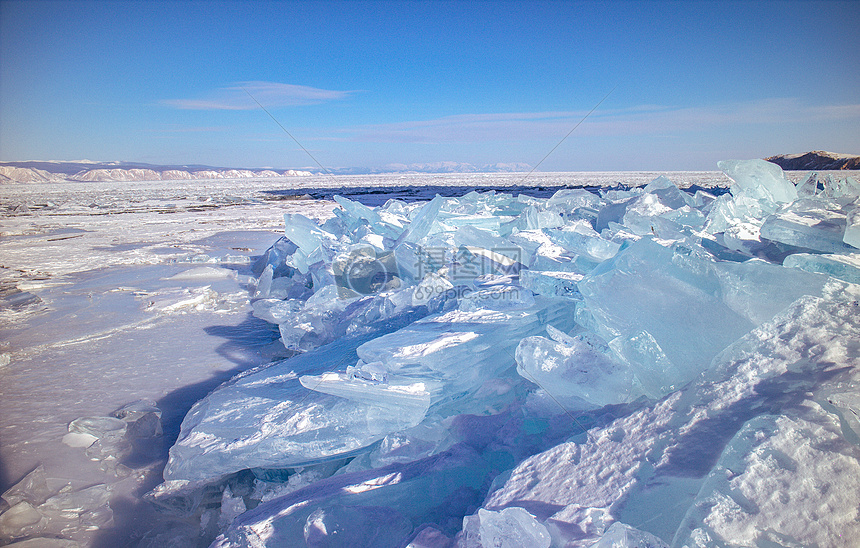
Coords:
pixel 112 293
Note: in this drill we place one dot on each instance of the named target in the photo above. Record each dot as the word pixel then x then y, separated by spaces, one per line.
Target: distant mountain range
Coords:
pixel 85 170
pixel 55 172
pixel 817 160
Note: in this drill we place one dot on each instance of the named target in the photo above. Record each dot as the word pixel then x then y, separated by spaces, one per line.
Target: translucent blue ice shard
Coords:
pixel 422 221
pixel 276 256
pixel 472 237
pixel 580 370
pixel 621 535
pixel 357 219
pixel 267 419
pixel 377 507
pixel 580 239
pixel 353 212
pixel 672 296
pixel 512 527
pixel 655 372
pixel 670 310
pixel 828 186
pixel 814 224
pixel 760 180
pixel 305 233
pixel 852 226
pixel 264 283
pixel 842 266
pixel 462 349
pixel 533 217
pixel 551 283
pixel 410 399
pixel 668 193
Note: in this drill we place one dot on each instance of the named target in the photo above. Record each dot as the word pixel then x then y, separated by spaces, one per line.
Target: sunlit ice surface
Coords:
pixel 127 303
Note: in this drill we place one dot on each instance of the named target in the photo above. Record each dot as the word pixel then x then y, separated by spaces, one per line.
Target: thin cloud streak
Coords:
pixel 270 94
pixel 639 120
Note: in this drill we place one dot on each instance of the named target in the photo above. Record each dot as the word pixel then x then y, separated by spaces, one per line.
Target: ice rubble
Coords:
pixel 640 367
pixel 40 505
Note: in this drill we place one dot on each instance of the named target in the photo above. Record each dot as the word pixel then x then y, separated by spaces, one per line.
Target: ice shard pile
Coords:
pixel 638 367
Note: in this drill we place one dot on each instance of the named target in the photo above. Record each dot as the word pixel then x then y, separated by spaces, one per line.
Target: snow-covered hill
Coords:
pixel 48 172
pixel 178 175
pixel 12 174
pixel 817 160
pixel 86 170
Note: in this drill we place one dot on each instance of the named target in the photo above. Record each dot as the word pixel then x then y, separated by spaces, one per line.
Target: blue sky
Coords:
pixel 366 84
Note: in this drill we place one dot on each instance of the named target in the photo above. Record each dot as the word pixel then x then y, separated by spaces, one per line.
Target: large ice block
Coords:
pixel 579 370
pixel 852 226
pixel 512 527
pixel 659 293
pixel 460 350
pixel 759 179
pixel 376 508
pixel 668 193
pixel 669 310
pixel 580 239
pixel 267 419
pixel 410 399
pixel 575 203
pixel 809 223
pixel 551 283
pixel 621 535
pixel 305 233
pixel 422 221
pixel 842 266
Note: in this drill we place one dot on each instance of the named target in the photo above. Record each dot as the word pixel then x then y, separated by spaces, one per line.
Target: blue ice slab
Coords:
pixel 353 212
pixel 580 239
pixel 377 508
pixel 759 179
pixel 828 186
pixel 422 221
pixel 460 350
pixel 841 188
pixel 276 256
pixel 579 371
pixel 551 283
pixel 658 289
pixel 534 217
pixel 647 215
pixel 613 212
pixel 668 193
pixel 758 290
pixel 409 400
pixel 852 226
pixel 843 266
pixel 817 224
pixel 267 419
pixel 472 237
pixel 576 203
pixel 305 233
pixel 511 527
pixel 621 535
pixel 669 310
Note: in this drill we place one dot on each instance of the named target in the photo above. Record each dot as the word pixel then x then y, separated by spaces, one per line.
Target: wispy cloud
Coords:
pixel 637 120
pixel 269 94
pixel 188 129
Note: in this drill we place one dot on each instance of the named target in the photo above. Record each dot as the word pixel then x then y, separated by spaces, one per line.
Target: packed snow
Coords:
pixel 443 361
